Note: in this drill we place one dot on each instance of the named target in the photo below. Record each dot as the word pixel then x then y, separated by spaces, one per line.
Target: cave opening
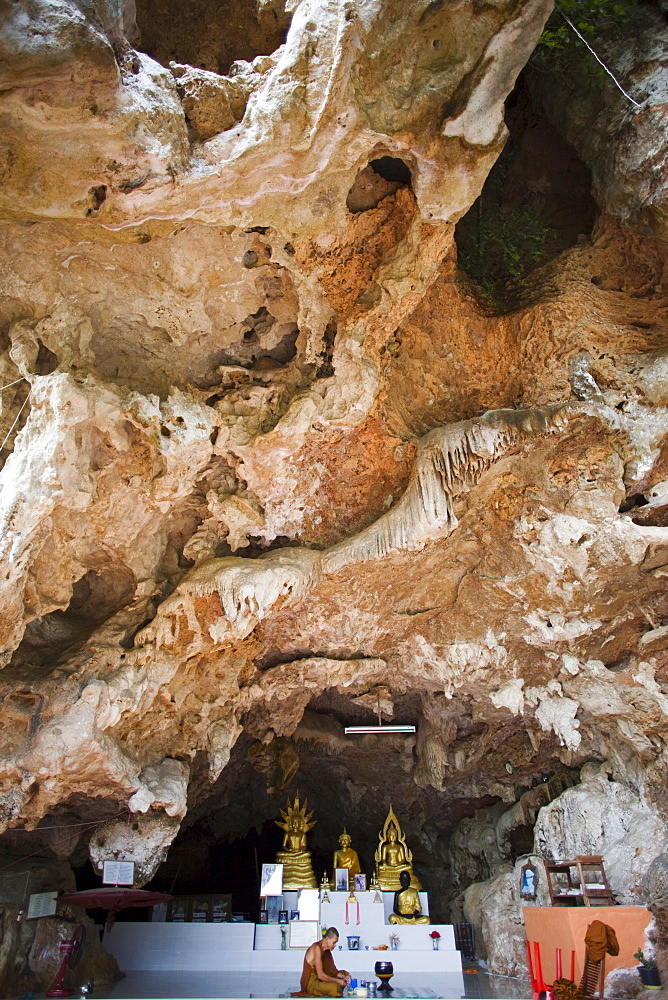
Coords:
pixel 392 168
pixel 96 596
pixel 382 177
pixel 536 202
pixel 208 34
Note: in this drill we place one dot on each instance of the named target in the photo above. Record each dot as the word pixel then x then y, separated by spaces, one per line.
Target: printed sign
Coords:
pixel 303 933
pixel 42 904
pixel 118 873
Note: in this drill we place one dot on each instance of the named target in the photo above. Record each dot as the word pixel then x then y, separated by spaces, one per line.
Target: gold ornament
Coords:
pixel 393 856
pixel 374 885
pixel 296 860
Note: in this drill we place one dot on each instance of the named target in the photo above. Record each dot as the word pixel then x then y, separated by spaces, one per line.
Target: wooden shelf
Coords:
pixel 578 882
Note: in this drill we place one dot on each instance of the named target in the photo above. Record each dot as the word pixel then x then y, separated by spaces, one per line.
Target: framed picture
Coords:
pixel 528 881
pixel 264 917
pixel 201 911
pixel 341 879
pixel 177 911
pixel 222 909
pixel 274 905
pixel 294 914
pixel 283 916
pixel 272 880
pixel 360 883
pixel 303 933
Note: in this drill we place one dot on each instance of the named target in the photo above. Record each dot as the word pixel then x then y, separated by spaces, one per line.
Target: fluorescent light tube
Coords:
pixel 361 730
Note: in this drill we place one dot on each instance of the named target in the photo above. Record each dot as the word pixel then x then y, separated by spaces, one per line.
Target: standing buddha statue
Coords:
pixel 296 860
pixel 347 857
pixel 393 856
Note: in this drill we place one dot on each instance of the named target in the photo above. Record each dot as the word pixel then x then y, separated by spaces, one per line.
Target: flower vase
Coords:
pixel 434 943
pixel 393 945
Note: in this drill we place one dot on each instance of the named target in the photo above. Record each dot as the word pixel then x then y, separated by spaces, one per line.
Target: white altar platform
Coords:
pixel 256 948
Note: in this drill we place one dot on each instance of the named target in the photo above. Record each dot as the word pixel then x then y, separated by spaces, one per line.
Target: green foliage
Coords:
pixel 647 963
pixel 597 20
pixel 502 248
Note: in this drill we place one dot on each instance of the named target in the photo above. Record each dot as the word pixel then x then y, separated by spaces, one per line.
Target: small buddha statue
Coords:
pixel 407 908
pixel 347 857
pixel 393 856
pixel 296 860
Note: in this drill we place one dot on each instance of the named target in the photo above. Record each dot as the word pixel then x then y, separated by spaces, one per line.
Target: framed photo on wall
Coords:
pixel 264 917
pixel 283 917
pixel 294 914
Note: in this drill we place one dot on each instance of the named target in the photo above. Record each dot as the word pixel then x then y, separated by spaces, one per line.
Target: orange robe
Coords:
pixel 311 986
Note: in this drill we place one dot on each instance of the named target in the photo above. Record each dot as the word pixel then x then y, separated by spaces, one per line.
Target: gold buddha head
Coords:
pixel 391 833
pixel 344 840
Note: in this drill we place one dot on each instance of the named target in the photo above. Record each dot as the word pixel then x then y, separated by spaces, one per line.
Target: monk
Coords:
pixel 320 977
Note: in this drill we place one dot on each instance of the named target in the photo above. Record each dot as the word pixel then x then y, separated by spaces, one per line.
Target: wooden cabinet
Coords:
pixel 205 908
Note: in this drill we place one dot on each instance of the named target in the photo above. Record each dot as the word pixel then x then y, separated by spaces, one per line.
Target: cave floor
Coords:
pixel 478 985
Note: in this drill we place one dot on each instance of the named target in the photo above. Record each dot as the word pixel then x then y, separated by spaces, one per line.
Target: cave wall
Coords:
pixel 29 948
pixel 269 455
pixel 603 813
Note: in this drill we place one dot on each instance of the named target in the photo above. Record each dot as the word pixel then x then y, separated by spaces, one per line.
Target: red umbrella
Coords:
pixel 114 900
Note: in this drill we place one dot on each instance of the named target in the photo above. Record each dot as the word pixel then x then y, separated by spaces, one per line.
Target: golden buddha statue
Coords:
pixel 347 857
pixel 407 906
pixel 393 856
pixel 296 860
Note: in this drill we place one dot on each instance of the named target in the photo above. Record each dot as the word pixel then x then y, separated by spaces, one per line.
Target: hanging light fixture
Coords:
pixel 380 728
pixel 361 730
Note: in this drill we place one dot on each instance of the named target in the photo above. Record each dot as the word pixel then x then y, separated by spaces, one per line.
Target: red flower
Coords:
pixel 434 934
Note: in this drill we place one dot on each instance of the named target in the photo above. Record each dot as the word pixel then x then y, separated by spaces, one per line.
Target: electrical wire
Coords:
pixel 16 420
pixel 62 826
pixel 598 59
pixel 61 841
pixel 15 382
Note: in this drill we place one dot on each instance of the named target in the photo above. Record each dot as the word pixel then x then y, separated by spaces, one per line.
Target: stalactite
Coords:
pixel 449 460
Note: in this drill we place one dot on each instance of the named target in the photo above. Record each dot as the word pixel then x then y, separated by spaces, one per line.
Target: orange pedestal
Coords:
pixel 565 927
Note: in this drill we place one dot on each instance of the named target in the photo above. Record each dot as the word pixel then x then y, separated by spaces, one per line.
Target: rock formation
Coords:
pixel 272 462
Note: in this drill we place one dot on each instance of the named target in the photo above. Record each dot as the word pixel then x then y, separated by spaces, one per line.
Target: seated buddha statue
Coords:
pixel 347 857
pixel 296 860
pixel 393 856
pixel 407 907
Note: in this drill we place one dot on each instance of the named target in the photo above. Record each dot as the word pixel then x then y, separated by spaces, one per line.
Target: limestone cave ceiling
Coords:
pixel 271 458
